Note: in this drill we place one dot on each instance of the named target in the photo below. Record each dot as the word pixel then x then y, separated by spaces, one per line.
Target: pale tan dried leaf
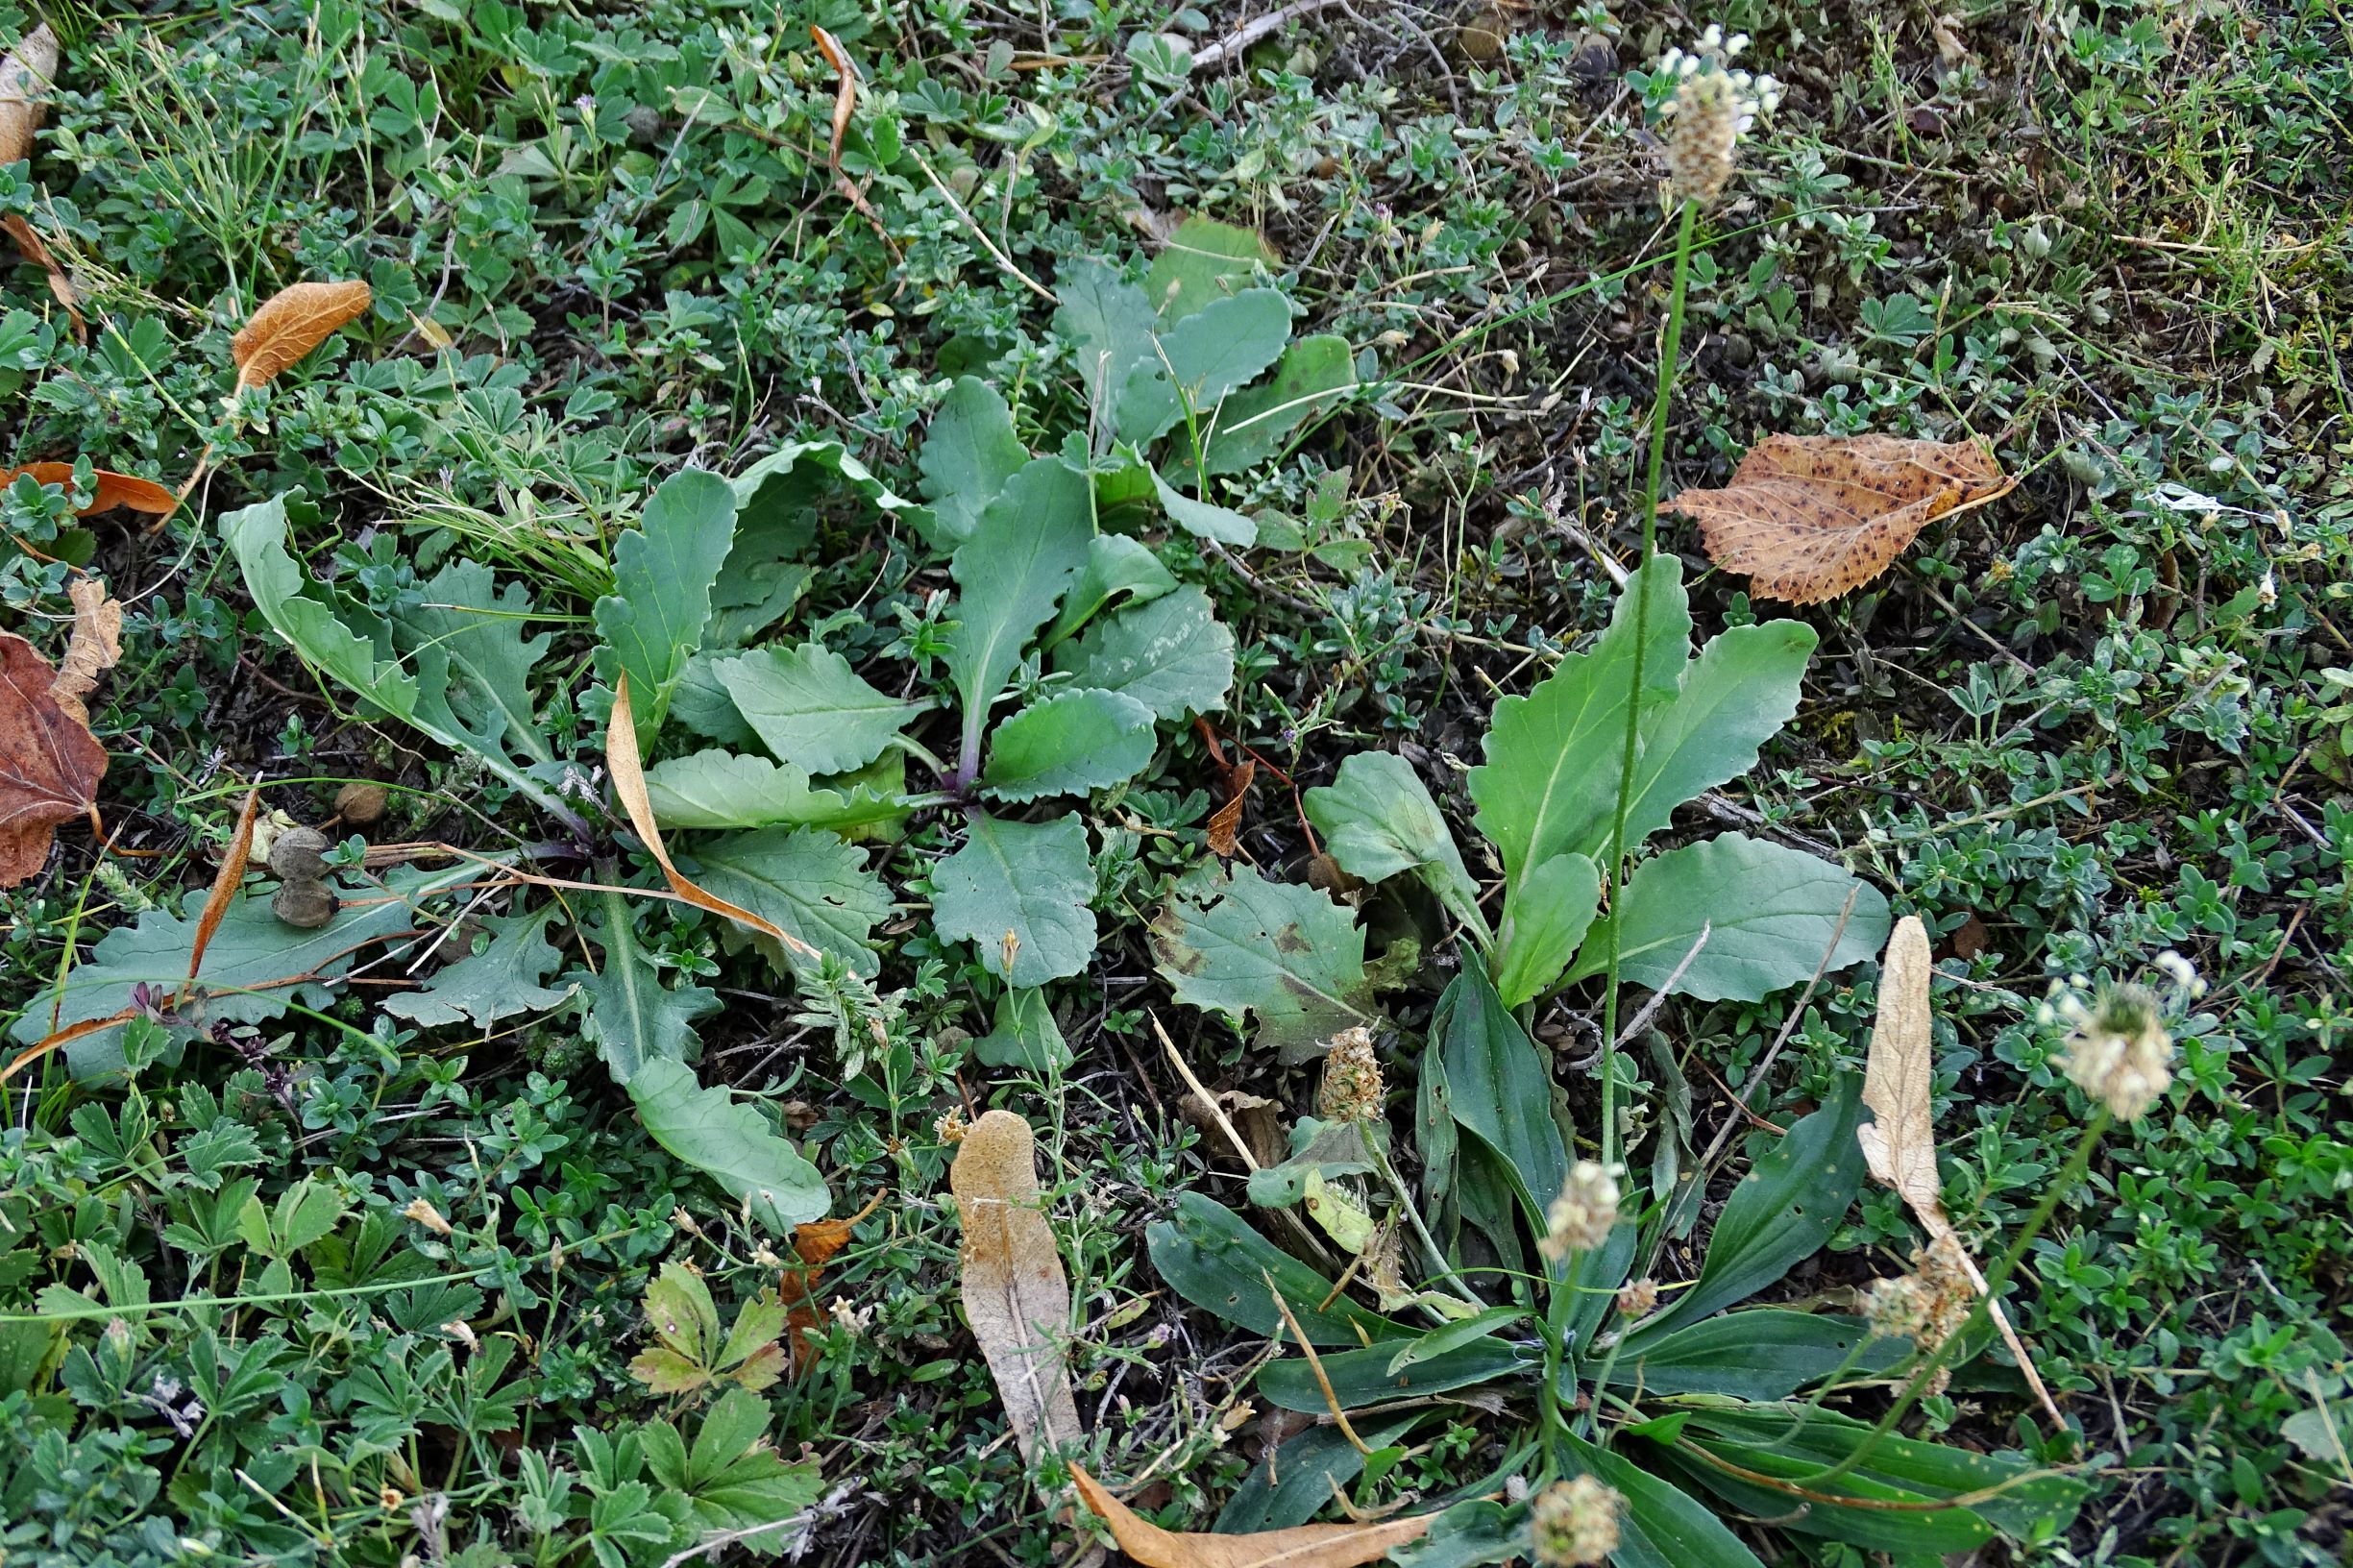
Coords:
pixel 1810 518
pixel 621 759
pixel 1900 1075
pixel 1303 1546
pixel 1013 1289
pixel 291 322
pixel 27 73
pixel 846 93
pixel 1899 1085
pixel 50 764
pixel 1226 822
pixel 96 644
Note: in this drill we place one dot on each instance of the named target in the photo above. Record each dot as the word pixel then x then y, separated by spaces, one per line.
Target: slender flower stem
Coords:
pixel 1995 1278
pixel 1670 348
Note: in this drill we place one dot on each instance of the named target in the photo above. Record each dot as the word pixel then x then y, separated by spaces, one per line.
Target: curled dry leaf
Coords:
pixel 50 764
pixel 1898 1085
pixel 29 245
pixel 1810 518
pixel 26 75
pixel 110 489
pixel 814 1244
pixel 225 883
pixel 1226 822
pixel 1303 1546
pixel 621 759
pixel 1014 1291
pixel 291 322
pixel 96 644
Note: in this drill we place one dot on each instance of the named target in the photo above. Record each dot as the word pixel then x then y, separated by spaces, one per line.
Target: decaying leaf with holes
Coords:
pixel 1014 1291
pixel 50 764
pixel 93 648
pixel 1303 1546
pixel 1811 518
pixel 291 322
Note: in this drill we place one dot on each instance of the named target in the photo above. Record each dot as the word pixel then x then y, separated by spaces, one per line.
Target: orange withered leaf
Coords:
pixel 291 322
pixel 50 764
pixel 1810 518
pixel 112 489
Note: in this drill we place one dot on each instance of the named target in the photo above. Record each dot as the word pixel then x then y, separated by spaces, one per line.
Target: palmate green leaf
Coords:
pixel 347 642
pixel 1108 324
pixel 1779 1215
pixel 473 664
pixel 1210 1256
pixel 1732 699
pixel 501 981
pixel 1029 543
pixel 663 574
pixel 968 453
pixel 807 882
pixel 1029 881
pixel 1173 655
pixel 1117 566
pixel 1224 345
pixel 1235 943
pixel 627 1013
pixel 1378 820
pixel 1546 916
pixel 1770 913
pixel 722 789
pixel 1661 1526
pixel 1068 744
pixel 734 1483
pixel 811 709
pixel 1500 1088
pixel 1552 768
pixel 255 965
pixel 1310 378
pixel 729 1141
pixel 1202 261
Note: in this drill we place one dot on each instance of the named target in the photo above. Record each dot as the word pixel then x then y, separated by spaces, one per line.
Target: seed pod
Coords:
pixel 359 802
pixel 305 903
pixel 295 854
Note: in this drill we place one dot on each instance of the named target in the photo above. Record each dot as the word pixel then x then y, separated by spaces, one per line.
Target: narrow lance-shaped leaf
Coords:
pixel 1027 546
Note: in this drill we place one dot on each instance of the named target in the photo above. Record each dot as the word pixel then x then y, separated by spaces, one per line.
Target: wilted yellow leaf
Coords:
pixel 1304 1546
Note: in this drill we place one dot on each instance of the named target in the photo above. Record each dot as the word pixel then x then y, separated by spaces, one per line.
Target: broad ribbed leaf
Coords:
pixel 1661 1526
pixel 811 709
pixel 1238 944
pixel 1023 886
pixel 1551 775
pixel 1115 566
pixel 1313 374
pixel 663 571
pixel 1204 519
pixel 730 1142
pixel 1029 543
pixel 1768 912
pixel 1547 915
pixel 1173 655
pixel 1210 1256
pixel 805 880
pixel 627 1012
pixel 968 453
pixel 1068 744
pixel 1500 1085
pixel 721 790
pixel 1222 346
pixel 501 981
pixel 1378 820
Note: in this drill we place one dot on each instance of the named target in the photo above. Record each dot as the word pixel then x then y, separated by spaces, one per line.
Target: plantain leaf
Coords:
pixel 1068 744
pixel 1661 1524
pixel 1029 543
pixel 1023 886
pixel 501 981
pixel 721 790
pixel 1222 346
pixel 1502 1088
pixel 1208 1255
pixel 1173 655
pixel 811 709
pixel 1236 944
pixel 1546 915
pixel 730 1142
pixel 627 1013
pixel 1310 378
pixel 663 574
pixel 1203 260
pixel 968 453
pixel 1378 820
pixel 806 881
pixel 1115 566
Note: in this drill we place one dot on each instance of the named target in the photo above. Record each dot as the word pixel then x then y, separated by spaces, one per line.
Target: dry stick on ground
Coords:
pixel 1251 33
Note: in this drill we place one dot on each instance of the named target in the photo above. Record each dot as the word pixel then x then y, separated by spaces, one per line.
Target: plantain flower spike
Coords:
pixel 1352 1087
pixel 1713 105
pixel 2118 1049
pixel 1581 1218
pixel 1575 1523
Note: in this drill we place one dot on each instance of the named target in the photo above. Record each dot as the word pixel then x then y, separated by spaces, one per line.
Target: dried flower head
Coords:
pixel 2116 1049
pixel 1928 1305
pixel 1584 1214
pixel 1637 1299
pixel 427 1215
pixel 1575 1523
pixel 1712 108
pixel 950 1127
pixel 1352 1088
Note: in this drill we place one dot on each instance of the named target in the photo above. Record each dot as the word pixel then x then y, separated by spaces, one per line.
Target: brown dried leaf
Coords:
pixel 846 95
pixel 1226 824
pixel 26 76
pixel 50 764
pixel 294 321
pixel 1810 518
pixel 29 245
pixel 225 883
pixel 112 489
pixel 1304 1546
pixel 621 759
pixel 96 644
pixel 1899 1082
pixel 1014 1291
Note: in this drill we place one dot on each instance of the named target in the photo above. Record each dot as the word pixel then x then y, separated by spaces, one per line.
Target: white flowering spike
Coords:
pixel 2116 1049
pixel 1581 1218
pixel 1712 108
pixel 1575 1523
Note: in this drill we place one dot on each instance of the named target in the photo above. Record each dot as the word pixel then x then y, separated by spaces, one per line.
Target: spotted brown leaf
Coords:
pixel 50 765
pixel 1811 518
